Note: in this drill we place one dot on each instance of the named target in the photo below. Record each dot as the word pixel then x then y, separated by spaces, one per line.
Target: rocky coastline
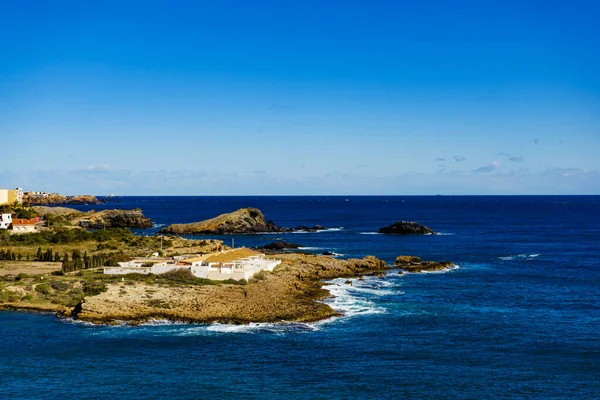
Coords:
pixel 57 199
pixel 104 219
pixel 292 292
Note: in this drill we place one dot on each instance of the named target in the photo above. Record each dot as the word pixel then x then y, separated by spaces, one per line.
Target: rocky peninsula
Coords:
pixel 290 293
pixel 242 221
pixel 95 219
pixel 56 199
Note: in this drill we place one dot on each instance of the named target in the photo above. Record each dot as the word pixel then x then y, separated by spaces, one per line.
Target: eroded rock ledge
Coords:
pixel 415 264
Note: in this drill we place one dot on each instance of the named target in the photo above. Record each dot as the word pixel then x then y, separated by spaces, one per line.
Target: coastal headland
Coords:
pixel 60 269
pixel 243 221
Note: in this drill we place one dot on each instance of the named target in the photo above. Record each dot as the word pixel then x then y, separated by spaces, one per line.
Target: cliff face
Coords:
pixel 242 221
pixel 406 228
pixel 113 219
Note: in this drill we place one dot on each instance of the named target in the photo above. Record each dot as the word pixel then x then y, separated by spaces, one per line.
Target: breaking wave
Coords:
pixel 352 300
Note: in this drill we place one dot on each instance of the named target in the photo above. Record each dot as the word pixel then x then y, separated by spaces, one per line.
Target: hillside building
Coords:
pixel 23 225
pixel 10 196
pixel 5 221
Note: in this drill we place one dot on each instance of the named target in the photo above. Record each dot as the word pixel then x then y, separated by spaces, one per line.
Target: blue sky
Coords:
pixel 300 97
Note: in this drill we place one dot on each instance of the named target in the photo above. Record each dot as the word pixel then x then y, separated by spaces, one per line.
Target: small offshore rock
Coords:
pixel 406 228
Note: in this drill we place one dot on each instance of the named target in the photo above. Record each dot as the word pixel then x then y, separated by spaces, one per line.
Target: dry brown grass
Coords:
pixel 232 255
pixel 28 267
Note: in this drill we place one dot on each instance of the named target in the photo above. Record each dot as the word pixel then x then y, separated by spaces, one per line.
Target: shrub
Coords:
pixel 60 286
pixel 21 276
pixel 43 288
pixel 179 275
pixel 259 276
pixel 94 288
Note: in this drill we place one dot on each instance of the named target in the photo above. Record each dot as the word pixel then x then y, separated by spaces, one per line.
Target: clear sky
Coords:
pixel 300 97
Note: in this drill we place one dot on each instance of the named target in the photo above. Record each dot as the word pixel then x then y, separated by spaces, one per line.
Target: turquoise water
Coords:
pixel 518 318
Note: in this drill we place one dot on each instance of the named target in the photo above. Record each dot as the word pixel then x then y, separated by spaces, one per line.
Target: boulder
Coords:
pixel 406 228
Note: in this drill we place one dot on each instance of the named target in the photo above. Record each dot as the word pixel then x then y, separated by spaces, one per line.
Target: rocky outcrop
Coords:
pixel 292 292
pixel 56 211
pixel 415 264
pixel 406 228
pixel 54 198
pixel 82 199
pixel 280 245
pixel 242 221
pixel 113 219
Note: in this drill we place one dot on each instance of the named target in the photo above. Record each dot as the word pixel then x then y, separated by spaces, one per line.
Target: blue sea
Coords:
pixel 518 318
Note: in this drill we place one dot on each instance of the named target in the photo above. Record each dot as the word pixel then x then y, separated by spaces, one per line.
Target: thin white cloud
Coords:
pixel 487 168
pixel 459 158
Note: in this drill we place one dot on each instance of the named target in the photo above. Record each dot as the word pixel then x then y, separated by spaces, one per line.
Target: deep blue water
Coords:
pixel 519 318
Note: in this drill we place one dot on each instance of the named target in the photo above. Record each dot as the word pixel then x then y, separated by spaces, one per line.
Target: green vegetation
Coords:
pixel 18 210
pixel 66 236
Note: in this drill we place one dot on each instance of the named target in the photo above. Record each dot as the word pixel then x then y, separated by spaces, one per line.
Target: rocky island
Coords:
pixel 242 221
pixel 406 228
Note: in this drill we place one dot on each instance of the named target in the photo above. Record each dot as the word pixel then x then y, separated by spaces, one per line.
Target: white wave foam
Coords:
pixel 370 233
pixel 351 300
pixel 155 225
pixel 283 327
pixel 519 257
pixel 444 234
pixel 442 271
pixel 321 231
pixel 311 248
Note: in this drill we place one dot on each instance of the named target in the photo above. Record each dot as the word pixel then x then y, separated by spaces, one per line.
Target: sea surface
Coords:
pixel 518 318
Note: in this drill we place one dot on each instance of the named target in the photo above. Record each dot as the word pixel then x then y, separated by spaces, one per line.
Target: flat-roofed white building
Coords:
pixel 235 264
pixel 5 221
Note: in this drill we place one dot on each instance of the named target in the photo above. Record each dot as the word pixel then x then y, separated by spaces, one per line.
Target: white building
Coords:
pixel 5 221
pixel 243 268
pixel 235 264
